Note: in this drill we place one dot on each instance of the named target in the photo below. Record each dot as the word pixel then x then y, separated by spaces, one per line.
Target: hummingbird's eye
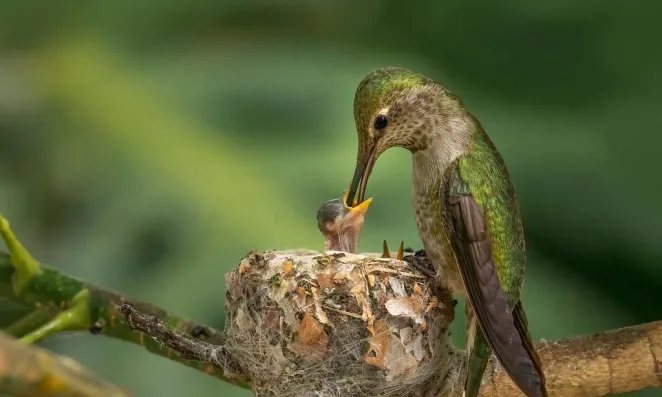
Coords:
pixel 380 122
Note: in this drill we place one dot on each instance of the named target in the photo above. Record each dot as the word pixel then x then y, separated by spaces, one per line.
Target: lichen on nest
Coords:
pixel 302 323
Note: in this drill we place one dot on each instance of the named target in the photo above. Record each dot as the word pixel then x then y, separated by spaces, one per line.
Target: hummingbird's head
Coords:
pixel 396 107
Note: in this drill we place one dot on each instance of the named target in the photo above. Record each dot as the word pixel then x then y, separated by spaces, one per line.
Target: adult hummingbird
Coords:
pixel 466 212
pixel 341 226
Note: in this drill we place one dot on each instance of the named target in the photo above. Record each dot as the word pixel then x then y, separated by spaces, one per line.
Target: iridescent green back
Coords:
pixel 484 170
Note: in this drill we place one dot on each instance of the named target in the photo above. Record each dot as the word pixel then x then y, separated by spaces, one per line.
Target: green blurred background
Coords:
pixel 147 146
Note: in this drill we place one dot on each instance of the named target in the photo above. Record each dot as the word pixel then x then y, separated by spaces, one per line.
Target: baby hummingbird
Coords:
pixel 341 226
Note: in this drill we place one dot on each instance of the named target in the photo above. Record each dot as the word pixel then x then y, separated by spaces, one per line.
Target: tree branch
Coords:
pixel 611 362
pixel 54 292
pixel 186 346
pixel 311 335
pixel 30 371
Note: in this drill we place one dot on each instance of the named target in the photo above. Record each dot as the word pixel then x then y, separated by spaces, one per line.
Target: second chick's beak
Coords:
pixel 341 224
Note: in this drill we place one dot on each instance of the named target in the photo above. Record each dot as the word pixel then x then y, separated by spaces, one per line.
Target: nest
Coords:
pixel 301 323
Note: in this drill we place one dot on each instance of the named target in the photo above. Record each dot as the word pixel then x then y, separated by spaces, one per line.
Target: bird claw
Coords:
pixel 387 254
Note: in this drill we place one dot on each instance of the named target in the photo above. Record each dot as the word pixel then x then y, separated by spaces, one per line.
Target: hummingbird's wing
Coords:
pixel 504 327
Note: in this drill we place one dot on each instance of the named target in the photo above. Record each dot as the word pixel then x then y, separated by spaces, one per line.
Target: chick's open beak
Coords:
pixel 341 224
pixel 351 225
pixel 356 211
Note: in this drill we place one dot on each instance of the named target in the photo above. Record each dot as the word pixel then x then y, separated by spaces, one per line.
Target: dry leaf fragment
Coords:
pixel 288 266
pixel 310 330
pixel 244 266
pixel 397 286
pixel 360 292
pixel 409 306
pixel 339 278
pixel 301 296
pixel 378 344
pixel 417 289
pixel 312 341
pixel 319 312
pixel 324 280
pixel 434 302
pixel 398 361
pixel 416 347
pixel 342 275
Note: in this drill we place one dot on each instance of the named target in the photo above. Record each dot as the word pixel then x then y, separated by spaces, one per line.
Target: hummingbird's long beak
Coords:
pixel 360 180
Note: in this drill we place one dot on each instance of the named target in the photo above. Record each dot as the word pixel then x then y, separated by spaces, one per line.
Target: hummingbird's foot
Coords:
pixel 387 254
pixel 420 262
pixel 76 318
pixel 25 266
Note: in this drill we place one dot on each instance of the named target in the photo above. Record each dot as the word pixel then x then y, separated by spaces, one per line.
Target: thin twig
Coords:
pixel 186 347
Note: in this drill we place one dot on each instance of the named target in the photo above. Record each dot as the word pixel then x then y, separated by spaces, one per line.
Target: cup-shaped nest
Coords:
pixel 301 323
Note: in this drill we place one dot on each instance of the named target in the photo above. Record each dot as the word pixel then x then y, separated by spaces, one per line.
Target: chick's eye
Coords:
pixel 380 122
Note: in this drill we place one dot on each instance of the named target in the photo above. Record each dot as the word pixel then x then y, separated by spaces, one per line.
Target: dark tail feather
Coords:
pixel 505 330
pixel 522 326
